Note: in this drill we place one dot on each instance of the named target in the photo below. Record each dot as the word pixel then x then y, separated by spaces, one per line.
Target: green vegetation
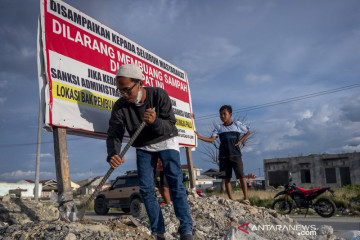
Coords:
pixel 82 203
pixel 314 154
pixel 257 201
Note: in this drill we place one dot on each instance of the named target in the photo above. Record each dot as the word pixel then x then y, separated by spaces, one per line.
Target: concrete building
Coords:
pixel 203 182
pixel 331 170
pixel 89 187
pixel 21 189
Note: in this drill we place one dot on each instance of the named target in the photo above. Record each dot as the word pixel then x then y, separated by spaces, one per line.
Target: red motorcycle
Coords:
pixel 295 197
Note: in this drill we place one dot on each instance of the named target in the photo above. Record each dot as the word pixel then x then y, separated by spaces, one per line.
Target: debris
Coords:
pixel 213 217
pixel 350 235
pixel 67 207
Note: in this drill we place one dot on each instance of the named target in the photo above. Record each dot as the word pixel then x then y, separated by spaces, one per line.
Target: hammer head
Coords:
pixel 67 207
pixel 68 212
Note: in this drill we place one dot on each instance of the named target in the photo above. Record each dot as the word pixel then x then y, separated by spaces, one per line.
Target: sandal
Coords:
pixel 246 202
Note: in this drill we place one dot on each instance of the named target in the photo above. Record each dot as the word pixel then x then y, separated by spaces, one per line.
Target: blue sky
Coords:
pixel 242 53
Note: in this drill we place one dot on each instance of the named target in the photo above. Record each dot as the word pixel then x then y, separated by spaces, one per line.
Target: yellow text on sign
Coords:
pixel 81 96
pixel 184 123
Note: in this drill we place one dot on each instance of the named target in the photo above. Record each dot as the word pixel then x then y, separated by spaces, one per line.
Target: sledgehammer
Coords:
pixel 80 215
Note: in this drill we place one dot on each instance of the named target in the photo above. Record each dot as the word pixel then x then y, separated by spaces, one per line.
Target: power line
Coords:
pixel 293 99
pixel 245 109
pixel 28 144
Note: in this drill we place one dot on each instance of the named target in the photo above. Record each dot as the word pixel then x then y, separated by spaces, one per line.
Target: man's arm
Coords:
pixel 165 120
pixel 115 135
pixel 210 140
pixel 243 138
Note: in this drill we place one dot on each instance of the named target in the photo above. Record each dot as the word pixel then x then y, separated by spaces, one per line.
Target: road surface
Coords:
pixel 339 224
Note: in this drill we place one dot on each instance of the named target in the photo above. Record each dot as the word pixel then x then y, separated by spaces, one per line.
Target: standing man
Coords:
pixel 231 135
pixel 157 140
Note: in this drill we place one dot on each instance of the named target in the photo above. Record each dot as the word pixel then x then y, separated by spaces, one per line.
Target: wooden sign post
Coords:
pixel 61 161
pixel 190 167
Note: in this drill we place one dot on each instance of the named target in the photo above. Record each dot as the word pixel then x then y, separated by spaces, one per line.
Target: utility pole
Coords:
pixel 37 169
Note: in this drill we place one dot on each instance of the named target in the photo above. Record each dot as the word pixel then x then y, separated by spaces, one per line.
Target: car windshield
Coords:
pixel 132 181
pixel 119 183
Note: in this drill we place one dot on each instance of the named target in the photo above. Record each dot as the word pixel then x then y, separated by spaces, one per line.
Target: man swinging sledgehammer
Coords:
pixel 157 140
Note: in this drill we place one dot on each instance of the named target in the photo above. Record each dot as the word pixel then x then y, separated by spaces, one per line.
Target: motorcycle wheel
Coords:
pixel 281 206
pixel 325 207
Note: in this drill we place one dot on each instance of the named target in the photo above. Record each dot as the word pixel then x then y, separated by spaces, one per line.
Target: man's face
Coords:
pixel 128 89
pixel 225 116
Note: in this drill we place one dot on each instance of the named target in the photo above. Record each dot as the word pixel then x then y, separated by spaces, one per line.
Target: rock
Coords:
pixel 350 235
pixel 253 210
pixel 6 199
pixel 213 217
pixel 70 236
pixel 23 237
pixel 13 221
pixel 325 230
pixel 234 234
pixel 3 224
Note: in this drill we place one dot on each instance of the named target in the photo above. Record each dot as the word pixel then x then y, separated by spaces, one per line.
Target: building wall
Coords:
pixel 29 187
pixel 314 168
pixel 204 184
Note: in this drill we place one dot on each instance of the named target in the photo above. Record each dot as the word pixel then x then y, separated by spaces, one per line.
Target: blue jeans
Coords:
pixel 146 165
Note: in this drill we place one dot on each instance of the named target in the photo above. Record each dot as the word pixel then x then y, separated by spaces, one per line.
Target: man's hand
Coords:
pixel 150 116
pixel 238 143
pixel 115 161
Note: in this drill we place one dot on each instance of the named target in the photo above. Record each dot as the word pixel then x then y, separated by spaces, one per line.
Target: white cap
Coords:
pixel 130 71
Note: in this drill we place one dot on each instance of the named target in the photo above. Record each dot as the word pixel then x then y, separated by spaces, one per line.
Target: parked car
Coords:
pixel 123 193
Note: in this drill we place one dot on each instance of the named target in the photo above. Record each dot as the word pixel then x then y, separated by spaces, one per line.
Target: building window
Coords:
pixel 305 176
pixel 345 176
pixel 330 175
pixel 278 178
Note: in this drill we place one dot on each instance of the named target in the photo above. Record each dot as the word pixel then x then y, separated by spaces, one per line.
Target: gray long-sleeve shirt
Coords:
pixel 128 115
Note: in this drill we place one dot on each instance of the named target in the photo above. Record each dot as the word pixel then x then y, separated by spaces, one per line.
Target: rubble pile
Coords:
pixel 24 219
pixel 219 218
pixel 214 218
pixel 15 210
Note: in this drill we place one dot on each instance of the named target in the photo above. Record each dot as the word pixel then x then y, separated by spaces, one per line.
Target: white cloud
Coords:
pixel 43 155
pixel 247 149
pixel 23 175
pixel 293 55
pixel 2 100
pixel 209 57
pixel 348 148
pixel 306 114
pixel 19 175
pixel 3 83
pixel 355 139
pixel 311 130
pixel 256 79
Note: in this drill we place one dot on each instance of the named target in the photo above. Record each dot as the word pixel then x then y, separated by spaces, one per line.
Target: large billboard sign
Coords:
pixel 78 59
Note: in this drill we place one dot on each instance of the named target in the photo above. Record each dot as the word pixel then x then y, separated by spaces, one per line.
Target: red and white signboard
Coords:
pixel 78 59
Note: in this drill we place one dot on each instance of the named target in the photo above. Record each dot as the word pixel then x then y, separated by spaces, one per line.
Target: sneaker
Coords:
pixel 187 237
